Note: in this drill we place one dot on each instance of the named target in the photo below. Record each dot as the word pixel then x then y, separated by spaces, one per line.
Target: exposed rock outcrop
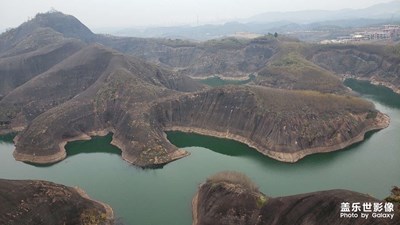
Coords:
pixel 280 62
pixel 288 69
pixel 18 69
pixel 46 203
pixel 284 125
pixel 92 89
pixel 228 198
pixel 378 64
pixel 57 85
pixel 112 93
pixel 229 57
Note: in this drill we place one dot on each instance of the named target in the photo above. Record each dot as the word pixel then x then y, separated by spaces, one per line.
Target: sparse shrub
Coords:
pixel 261 200
pixel 372 114
pixel 93 217
pixel 234 178
pixel 395 196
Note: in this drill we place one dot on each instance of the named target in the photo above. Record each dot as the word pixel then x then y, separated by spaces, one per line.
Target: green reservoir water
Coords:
pixel 163 196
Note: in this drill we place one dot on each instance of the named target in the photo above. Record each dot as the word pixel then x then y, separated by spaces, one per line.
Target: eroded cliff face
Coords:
pixel 230 201
pixel 98 90
pixel 313 67
pixel 288 69
pixel 55 86
pixel 379 64
pixel 84 90
pixel 46 203
pixel 115 99
pixel 285 125
pixel 18 69
pixel 228 57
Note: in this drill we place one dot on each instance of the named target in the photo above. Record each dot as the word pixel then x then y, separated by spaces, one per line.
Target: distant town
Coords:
pixel 370 34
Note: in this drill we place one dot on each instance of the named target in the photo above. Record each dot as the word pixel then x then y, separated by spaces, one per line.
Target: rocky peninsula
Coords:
pixel 47 203
pixel 294 107
pixel 232 198
pixel 284 125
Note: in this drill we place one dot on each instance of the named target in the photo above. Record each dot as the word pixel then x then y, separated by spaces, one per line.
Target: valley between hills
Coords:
pixel 60 82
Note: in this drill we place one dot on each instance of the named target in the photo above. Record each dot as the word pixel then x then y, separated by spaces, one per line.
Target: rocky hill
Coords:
pixel 232 198
pixel 379 64
pixel 59 82
pixel 46 203
pixel 67 88
pixel 229 57
pixel 289 69
pixel 96 90
pixel 285 125
pixel 16 68
pixel 53 26
pixel 280 62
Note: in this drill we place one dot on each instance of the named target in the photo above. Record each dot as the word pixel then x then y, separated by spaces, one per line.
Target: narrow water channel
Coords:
pixel 163 196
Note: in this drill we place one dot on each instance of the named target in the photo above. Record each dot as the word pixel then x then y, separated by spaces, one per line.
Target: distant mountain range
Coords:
pixel 271 22
pixel 381 11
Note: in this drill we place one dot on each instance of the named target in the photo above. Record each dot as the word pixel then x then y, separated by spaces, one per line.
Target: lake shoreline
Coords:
pixel 371 80
pixel 61 154
pixel 370 167
pixel 224 78
pixel 107 208
pixel 382 123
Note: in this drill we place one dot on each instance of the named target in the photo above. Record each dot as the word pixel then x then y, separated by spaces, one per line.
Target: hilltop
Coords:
pixel 273 57
pixel 279 61
pixel 54 24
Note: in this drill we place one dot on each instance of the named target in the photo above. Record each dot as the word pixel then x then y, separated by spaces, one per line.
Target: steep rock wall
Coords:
pixel 374 63
pixel 117 101
pixel 285 125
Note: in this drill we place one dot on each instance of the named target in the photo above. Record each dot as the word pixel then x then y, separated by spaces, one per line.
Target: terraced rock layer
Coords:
pixel 112 93
pixel 65 88
pixel 284 125
pixel 378 64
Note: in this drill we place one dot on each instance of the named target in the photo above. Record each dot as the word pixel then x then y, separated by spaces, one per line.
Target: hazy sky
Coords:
pixel 125 13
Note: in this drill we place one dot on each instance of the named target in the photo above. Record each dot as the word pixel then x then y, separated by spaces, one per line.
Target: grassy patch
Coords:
pixel 261 201
pixel 92 217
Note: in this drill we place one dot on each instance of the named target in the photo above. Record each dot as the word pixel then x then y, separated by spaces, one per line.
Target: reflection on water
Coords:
pixel 96 145
pixel 8 138
pixel 217 81
pixel 242 153
pixel 382 94
pixel 235 149
pixel 218 145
